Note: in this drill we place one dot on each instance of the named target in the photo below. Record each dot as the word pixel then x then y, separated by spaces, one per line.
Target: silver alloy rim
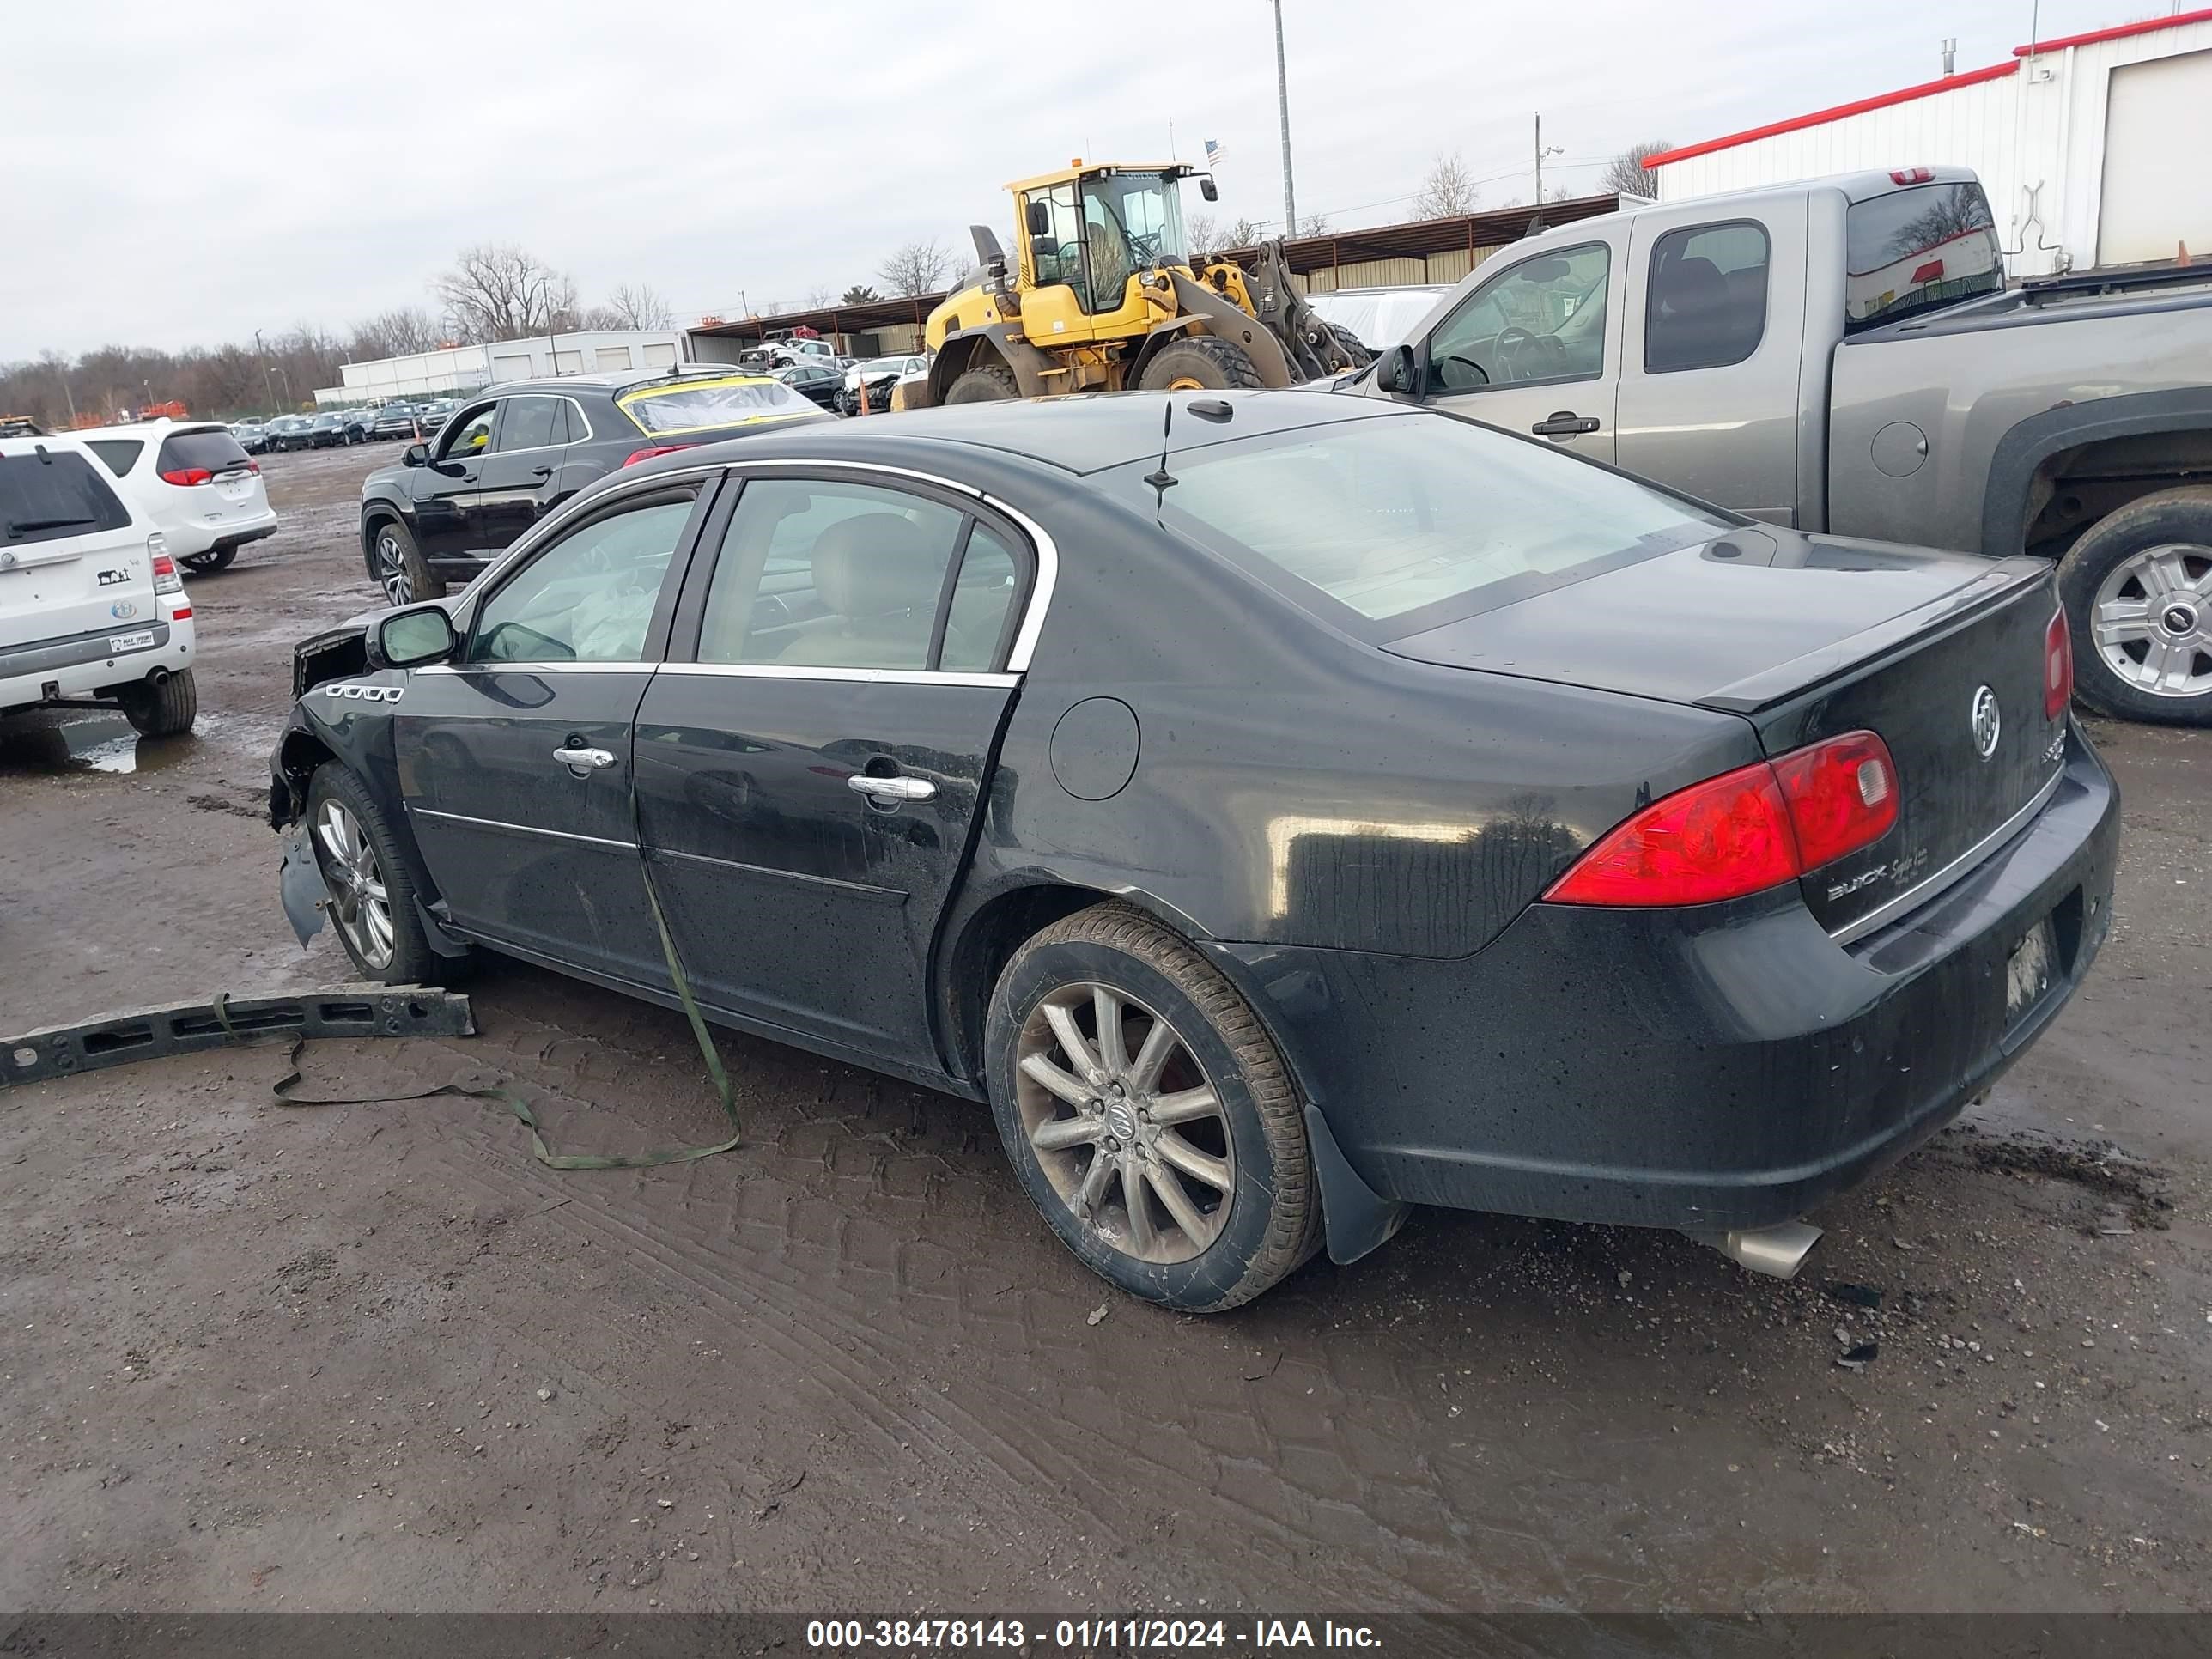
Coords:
pixel 391 570
pixel 2152 620
pixel 358 898
pixel 1125 1123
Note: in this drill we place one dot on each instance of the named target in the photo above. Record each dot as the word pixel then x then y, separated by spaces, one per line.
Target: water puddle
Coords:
pixel 69 741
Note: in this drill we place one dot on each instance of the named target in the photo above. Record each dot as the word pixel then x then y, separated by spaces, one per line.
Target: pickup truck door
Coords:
pixel 1713 355
pixel 1535 345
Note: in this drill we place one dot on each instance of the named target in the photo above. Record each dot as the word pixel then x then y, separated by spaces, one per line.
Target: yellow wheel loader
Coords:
pixel 1105 295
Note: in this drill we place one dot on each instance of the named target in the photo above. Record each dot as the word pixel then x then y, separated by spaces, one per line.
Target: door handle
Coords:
pixel 1565 424
pixel 578 757
pixel 541 471
pixel 891 791
pixel 468 477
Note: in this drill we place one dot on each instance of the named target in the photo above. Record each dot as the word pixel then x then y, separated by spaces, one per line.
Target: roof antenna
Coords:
pixel 1159 478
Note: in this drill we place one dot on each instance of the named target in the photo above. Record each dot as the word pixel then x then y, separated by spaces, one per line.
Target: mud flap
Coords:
pixel 299 880
pixel 1356 1219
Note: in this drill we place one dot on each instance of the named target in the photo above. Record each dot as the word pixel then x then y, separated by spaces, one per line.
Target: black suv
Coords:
pixel 511 455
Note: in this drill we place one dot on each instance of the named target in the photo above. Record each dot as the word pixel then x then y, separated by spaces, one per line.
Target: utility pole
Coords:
pixel 1283 101
pixel 267 379
pixel 62 370
pixel 1540 154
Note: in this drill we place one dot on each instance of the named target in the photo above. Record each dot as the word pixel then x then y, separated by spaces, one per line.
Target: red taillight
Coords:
pixel 1842 795
pixel 637 455
pixel 253 466
pixel 1715 840
pixel 183 613
pixel 166 579
pixel 2057 667
pixel 1756 827
pixel 188 476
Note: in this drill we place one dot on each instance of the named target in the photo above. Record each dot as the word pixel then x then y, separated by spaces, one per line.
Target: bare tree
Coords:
pixel 1245 231
pixel 820 297
pixel 1314 224
pixel 496 291
pixel 1448 192
pixel 917 268
pixel 639 307
pixel 395 333
pixel 1626 175
pixel 1203 232
pixel 859 294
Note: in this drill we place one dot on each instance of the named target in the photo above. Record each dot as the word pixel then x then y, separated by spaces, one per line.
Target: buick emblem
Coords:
pixel 1987 722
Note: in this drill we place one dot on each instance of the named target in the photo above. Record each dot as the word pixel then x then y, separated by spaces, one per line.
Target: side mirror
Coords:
pixel 1397 373
pixel 1207 188
pixel 1043 246
pixel 1040 218
pixel 407 639
pixel 415 455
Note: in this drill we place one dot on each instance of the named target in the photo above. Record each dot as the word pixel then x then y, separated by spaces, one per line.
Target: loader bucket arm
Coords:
pixel 1314 350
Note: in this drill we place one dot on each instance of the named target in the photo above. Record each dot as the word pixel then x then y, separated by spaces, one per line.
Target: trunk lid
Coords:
pixel 1808 638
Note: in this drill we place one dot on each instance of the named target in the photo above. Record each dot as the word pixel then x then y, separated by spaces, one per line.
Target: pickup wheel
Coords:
pixel 2138 589
pixel 399 566
pixel 1148 1113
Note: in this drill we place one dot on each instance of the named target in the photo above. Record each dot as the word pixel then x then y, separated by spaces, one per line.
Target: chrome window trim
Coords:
pixel 1045 582
pixel 523 829
pixel 1949 876
pixel 777 670
pixel 639 666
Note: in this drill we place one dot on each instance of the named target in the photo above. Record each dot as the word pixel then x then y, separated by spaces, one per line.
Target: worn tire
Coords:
pixel 167 710
pixel 215 558
pixel 1350 344
pixel 413 962
pixel 1200 362
pixel 1274 1216
pixel 393 559
pixel 986 383
pixel 2182 517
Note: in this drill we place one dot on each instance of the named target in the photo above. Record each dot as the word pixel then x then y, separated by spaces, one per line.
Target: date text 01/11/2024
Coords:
pixel 901 1635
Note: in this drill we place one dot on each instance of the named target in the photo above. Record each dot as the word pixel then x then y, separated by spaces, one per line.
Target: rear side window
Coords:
pixel 1913 249
pixel 1705 307
pixel 663 411
pixel 46 497
pixel 216 451
pixel 119 455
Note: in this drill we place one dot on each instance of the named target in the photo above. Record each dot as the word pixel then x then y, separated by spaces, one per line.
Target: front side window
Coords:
pixel 1055 227
pixel 1910 251
pixel 815 574
pixel 1388 526
pixel 528 423
pixel 1707 303
pixel 468 437
pixel 1543 320
pixel 589 596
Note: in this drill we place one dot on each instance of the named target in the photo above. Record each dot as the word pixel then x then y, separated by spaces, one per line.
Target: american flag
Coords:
pixel 1214 153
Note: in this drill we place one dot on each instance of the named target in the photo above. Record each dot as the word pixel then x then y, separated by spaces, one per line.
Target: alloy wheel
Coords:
pixel 358 897
pixel 1125 1123
pixel 391 569
pixel 2151 621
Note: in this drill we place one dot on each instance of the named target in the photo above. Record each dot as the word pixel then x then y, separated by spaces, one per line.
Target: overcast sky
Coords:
pixel 172 175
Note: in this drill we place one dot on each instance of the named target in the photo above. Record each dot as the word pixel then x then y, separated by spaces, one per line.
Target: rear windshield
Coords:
pixel 119 455
pixel 1390 526
pixel 46 497
pixel 697 405
pixel 1913 249
pixel 216 451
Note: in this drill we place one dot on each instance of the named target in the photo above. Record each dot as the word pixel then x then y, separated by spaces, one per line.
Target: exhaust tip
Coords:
pixel 1778 1251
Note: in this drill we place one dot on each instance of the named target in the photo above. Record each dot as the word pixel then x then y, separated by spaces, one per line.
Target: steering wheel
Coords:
pixel 1508 346
pixel 1481 375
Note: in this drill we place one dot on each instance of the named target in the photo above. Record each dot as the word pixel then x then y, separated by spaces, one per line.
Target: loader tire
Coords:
pixel 986 383
pixel 1354 348
pixel 1199 363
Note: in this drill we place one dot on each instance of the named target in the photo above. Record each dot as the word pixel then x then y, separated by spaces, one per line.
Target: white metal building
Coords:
pixel 2095 148
pixel 464 369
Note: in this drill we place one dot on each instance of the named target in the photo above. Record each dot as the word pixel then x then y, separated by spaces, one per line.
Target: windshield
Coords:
pixel 1910 251
pixel 1130 220
pixel 698 405
pixel 1388 525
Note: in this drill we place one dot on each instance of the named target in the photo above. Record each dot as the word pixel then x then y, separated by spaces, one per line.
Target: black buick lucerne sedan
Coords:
pixel 1329 807
pixel 511 454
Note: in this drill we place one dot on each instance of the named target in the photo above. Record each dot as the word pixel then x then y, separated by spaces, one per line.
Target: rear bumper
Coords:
pixel 191 537
pixel 1723 1067
pixel 81 667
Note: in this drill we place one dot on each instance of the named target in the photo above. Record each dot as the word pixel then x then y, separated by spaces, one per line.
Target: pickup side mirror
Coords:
pixel 424 634
pixel 1397 372
pixel 1207 188
pixel 415 455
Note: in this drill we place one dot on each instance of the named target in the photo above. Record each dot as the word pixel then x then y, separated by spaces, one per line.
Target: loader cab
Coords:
pixel 1085 234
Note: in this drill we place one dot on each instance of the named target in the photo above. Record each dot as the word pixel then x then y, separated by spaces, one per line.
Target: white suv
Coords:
pixel 203 492
pixel 92 609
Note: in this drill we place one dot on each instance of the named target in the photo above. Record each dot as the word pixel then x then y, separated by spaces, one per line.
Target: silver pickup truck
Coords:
pixel 1846 357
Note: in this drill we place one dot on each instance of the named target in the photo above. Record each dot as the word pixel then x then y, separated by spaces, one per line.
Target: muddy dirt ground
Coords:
pixel 374 1356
